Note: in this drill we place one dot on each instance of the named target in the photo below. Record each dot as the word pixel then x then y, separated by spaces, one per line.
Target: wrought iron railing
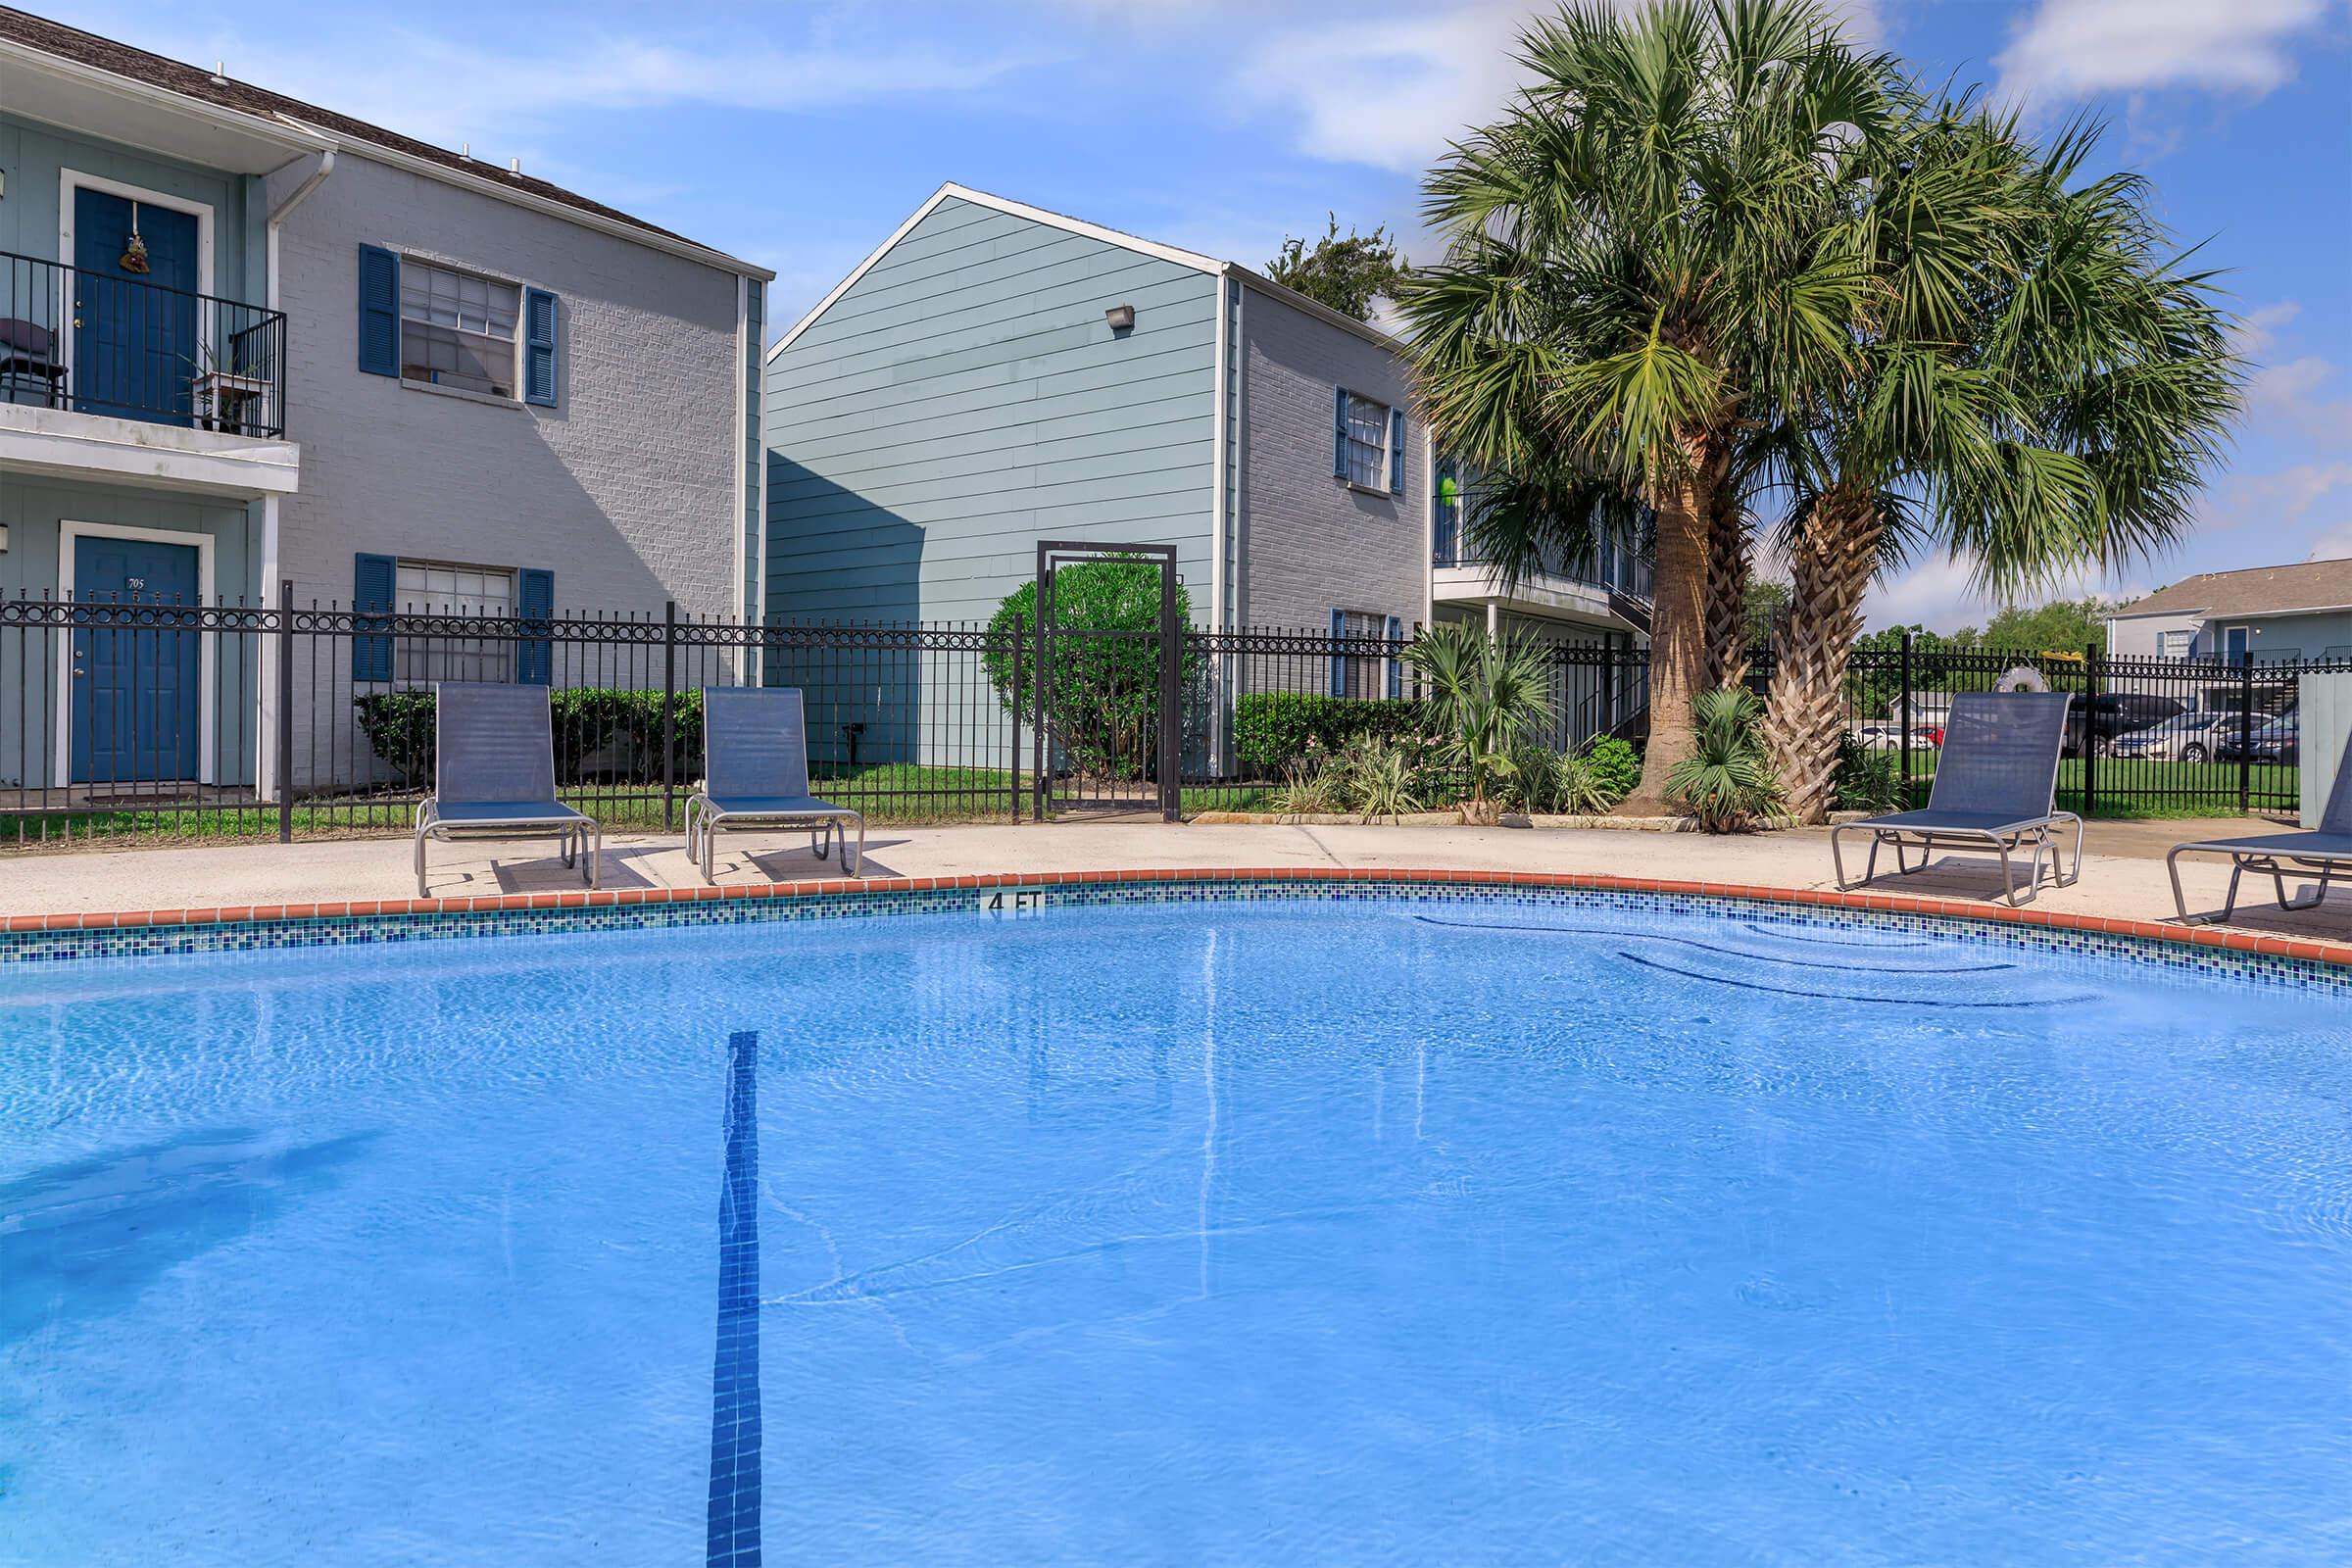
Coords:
pixel 122 346
pixel 234 719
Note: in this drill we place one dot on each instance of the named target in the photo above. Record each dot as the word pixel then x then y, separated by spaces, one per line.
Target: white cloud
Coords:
pixel 481 87
pixel 2074 48
pixel 2296 393
pixel 1390 92
pixel 2257 329
pixel 2333 544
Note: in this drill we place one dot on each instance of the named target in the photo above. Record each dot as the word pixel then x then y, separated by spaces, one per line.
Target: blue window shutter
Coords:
pixel 534 600
pixel 1396 660
pixel 373 579
pixel 1396 452
pixel 1339 659
pixel 379 311
pixel 539 347
pixel 1339 437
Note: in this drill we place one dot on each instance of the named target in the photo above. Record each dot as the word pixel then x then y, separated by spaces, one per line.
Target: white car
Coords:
pixel 2191 737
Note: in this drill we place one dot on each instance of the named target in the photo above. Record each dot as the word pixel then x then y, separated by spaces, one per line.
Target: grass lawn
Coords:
pixel 2152 790
pixel 889 794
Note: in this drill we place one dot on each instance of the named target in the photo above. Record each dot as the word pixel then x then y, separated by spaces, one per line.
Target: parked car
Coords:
pixel 2278 741
pixel 1884 735
pixel 2111 716
pixel 2191 737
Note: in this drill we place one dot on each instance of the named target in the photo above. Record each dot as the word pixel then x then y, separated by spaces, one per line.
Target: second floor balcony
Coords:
pixel 121 346
pixel 1612 587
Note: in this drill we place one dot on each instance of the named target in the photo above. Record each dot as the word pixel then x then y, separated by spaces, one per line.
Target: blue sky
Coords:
pixel 799 135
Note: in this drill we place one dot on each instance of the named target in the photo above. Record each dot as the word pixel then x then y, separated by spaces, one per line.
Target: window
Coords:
pixel 2174 644
pixel 456 329
pixel 435 588
pixel 1367 442
pixel 1360 674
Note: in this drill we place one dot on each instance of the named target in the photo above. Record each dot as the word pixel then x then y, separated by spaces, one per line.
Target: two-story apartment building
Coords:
pixel 2278 615
pixel 995 375
pixel 252 347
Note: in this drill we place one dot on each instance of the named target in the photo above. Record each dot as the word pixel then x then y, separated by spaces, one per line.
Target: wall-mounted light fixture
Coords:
pixel 1122 317
pixel 3 538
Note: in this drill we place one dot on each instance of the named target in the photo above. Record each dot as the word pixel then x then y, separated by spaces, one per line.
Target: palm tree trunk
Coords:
pixel 1727 589
pixel 1678 630
pixel 1831 566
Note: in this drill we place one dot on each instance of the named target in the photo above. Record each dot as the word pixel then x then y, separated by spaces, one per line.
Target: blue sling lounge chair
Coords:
pixel 493 774
pixel 2323 852
pixel 1996 782
pixel 755 774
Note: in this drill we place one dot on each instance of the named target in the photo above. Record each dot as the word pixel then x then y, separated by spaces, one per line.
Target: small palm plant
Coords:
pixel 1726 781
pixel 1489 695
pixel 1381 777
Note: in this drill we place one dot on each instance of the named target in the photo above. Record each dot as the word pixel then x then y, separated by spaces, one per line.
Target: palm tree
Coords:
pixel 1643 261
pixel 2037 387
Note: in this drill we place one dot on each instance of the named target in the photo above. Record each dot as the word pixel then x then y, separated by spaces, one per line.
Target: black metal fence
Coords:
pixel 119 345
pixel 122 720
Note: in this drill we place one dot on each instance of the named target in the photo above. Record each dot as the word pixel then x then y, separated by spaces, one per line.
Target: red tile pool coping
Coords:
pixel 2233 941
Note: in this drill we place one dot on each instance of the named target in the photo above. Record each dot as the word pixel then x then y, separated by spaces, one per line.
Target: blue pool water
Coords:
pixel 1373 1233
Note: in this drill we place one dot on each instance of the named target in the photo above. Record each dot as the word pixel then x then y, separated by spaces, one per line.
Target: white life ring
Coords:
pixel 2021 678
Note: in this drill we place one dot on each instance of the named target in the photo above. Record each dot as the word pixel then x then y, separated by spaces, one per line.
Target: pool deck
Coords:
pixel 2123 886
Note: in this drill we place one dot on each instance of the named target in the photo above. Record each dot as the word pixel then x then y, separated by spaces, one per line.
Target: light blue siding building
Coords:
pixel 965 393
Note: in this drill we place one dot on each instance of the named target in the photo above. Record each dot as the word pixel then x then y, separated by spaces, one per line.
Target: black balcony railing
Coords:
pixel 119 345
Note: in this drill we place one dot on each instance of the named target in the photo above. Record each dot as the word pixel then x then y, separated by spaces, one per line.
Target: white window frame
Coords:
pixel 68 533
pixel 513 575
pixel 69 180
pixel 1385 457
pixel 400 324
pixel 1371 625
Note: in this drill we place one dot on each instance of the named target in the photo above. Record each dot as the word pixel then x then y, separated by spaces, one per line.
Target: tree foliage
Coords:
pixel 2060 626
pixel 1104 681
pixel 1349 273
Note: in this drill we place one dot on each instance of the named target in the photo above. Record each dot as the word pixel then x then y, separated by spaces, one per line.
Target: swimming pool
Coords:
pixel 1384 1231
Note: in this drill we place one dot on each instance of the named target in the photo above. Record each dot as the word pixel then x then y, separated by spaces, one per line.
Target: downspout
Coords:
pixel 264 766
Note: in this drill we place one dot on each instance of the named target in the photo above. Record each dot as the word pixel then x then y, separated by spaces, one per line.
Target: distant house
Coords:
pixel 995 374
pixel 2277 614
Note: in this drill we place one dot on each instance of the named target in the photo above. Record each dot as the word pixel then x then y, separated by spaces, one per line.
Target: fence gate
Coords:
pixel 1104 710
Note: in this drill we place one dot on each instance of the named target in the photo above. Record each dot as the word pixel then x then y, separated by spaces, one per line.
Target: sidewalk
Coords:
pixel 2122 876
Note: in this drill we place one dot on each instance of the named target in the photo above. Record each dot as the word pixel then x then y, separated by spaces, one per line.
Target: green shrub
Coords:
pixel 1272 730
pixel 1105 690
pixel 1614 765
pixel 1726 781
pixel 400 729
pixel 1866 779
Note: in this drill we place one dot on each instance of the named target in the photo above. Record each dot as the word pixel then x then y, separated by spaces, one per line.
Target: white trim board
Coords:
pixel 68 533
pixel 1108 236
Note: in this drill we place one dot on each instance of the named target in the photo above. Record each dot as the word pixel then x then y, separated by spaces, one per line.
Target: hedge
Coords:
pixel 1271 730
pixel 587 719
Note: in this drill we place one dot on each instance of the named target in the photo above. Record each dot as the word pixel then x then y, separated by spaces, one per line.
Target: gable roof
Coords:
pixel 77 47
pixel 2252 590
pixel 1193 259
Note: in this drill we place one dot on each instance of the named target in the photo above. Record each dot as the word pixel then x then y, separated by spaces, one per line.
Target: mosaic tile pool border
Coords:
pixel 50 939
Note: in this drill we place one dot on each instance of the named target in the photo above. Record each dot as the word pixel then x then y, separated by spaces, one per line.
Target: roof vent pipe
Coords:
pixel 220 73
pixel 514 165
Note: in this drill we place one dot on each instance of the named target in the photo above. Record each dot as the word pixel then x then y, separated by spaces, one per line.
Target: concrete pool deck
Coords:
pixel 2122 878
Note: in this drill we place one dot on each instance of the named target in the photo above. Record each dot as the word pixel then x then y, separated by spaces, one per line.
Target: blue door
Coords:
pixel 134 333
pixel 135 688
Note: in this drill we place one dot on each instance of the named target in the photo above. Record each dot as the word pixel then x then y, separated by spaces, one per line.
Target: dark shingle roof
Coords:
pixel 2254 590
pixel 191 82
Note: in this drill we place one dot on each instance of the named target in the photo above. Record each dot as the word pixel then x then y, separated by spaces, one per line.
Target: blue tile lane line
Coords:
pixel 735 1367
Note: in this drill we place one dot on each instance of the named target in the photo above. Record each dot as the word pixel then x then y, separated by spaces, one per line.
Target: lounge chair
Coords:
pixel 755 774
pixel 1996 782
pixel 493 774
pixel 2324 850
